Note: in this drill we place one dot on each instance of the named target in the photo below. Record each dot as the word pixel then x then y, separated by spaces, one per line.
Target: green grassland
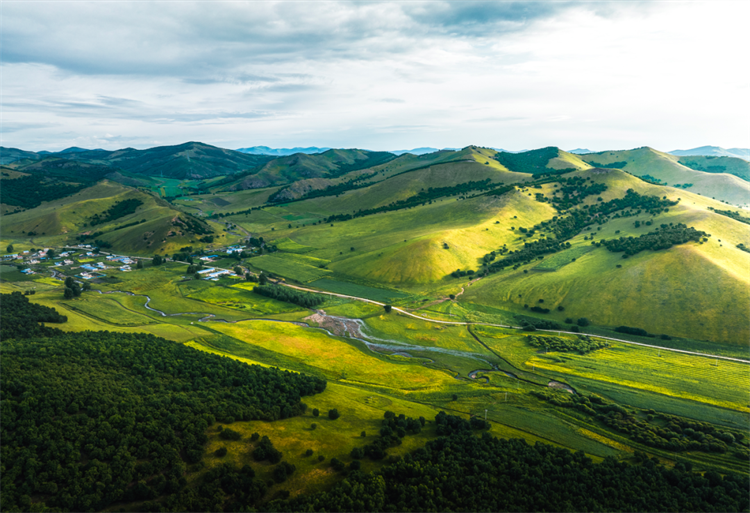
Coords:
pixel 669 169
pixel 295 267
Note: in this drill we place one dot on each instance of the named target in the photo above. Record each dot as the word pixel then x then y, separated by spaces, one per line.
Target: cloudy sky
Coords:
pixel 376 75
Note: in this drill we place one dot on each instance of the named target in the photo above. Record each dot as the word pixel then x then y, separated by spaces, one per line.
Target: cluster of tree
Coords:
pixel 87 236
pixel 72 289
pixel 665 237
pixel 734 215
pixel 393 429
pixel 19 318
pixel 582 344
pixel 120 209
pixel 683 185
pixel 128 225
pixel 266 451
pixel 95 418
pixel 358 182
pixel 458 273
pixel 533 162
pixel 662 431
pixel 611 165
pixel 573 191
pixel 742 247
pixel 464 472
pixel 193 225
pixel 31 191
pixel 421 198
pixel 633 331
pixel 702 166
pixel 102 244
pixel 562 228
pixel 158 260
pixel 218 215
pixel 532 323
pixel 289 295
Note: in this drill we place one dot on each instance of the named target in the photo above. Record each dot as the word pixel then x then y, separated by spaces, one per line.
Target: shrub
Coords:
pixel 309 452
pixel 583 321
pixel 254 437
pixel 229 434
pixel 333 414
pixel 221 452
pixel 316 412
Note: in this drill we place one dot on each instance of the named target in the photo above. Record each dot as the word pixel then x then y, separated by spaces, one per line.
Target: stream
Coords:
pixel 330 324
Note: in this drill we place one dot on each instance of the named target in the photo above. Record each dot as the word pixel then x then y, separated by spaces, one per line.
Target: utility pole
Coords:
pixel 506 397
pixel 485 414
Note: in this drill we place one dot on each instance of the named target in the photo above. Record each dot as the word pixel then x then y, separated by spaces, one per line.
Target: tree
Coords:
pixel 157 260
pixel 51 253
pixel 68 294
pixel 238 270
pixel 9 249
pixel 262 279
pixel 139 265
pixel 388 308
pixel 86 286
pixel 583 321
pixel 333 414
pixel 316 412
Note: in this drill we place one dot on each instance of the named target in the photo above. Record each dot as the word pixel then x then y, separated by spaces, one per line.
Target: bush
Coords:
pixel 333 414
pixel 221 452
pixel 309 452
pixel 254 437
pixel 337 464
pixel 316 412
pixel 583 321
pixel 229 434
pixel 355 465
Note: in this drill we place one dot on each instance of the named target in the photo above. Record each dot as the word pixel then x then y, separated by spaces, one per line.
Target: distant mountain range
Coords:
pixel 580 151
pixel 281 152
pixel 714 151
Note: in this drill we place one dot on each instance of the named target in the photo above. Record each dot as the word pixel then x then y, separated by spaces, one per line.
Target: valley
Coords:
pixel 570 300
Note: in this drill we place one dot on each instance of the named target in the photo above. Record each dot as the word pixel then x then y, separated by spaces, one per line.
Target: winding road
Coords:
pixel 209 317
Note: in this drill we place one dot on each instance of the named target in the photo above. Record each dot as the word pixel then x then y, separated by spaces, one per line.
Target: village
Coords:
pixel 91 263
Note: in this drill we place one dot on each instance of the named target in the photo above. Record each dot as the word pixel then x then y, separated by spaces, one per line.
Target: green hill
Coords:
pixel 690 290
pixel 301 166
pixel 152 226
pixel 189 160
pixel 728 186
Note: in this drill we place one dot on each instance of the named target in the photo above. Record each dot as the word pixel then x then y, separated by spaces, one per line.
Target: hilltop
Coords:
pixel 723 178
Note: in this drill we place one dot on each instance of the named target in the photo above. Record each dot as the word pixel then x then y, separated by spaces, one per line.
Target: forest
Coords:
pixel 289 295
pixel 562 228
pixel 421 198
pixel 96 418
pixel 120 209
pixel 31 191
pixel 664 237
pixel 464 472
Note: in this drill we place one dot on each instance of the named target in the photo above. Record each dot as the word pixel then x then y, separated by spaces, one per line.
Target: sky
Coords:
pixel 375 75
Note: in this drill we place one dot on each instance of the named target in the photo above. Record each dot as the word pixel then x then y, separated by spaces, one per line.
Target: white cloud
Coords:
pixel 375 75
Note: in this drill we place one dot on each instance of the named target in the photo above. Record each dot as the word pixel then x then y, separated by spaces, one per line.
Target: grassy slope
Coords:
pixel 698 291
pixel 58 222
pixel 667 168
pixel 712 164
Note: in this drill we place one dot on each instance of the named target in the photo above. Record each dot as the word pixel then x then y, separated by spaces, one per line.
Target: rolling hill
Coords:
pixel 672 170
pixel 152 226
pixel 300 166
pixel 189 160
pixel 689 290
pixel 715 151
